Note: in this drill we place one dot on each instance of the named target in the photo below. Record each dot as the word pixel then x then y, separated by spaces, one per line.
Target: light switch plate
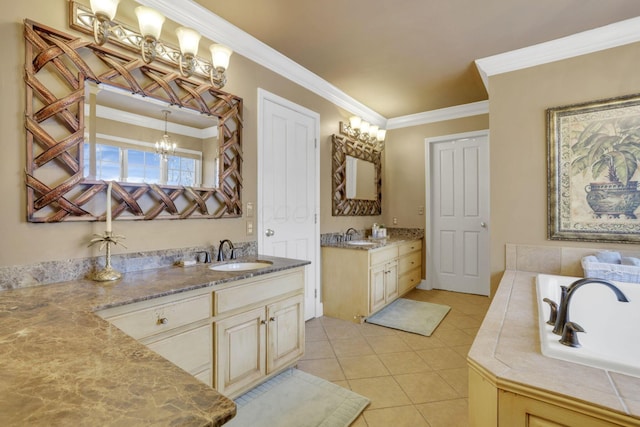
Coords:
pixel 249 210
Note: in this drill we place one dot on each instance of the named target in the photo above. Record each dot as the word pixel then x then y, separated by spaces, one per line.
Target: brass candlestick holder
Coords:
pixel 107 239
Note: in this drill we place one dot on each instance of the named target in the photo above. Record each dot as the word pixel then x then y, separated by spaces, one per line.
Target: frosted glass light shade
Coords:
pixel 354 122
pixel 364 127
pixel 382 134
pixel 220 55
pixel 373 131
pixel 188 40
pixel 150 22
pixel 105 7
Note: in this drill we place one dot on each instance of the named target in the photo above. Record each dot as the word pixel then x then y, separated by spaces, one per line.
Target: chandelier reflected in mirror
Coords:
pixel 165 146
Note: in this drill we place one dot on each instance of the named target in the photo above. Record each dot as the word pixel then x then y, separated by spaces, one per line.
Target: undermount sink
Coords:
pixel 241 266
pixel 360 243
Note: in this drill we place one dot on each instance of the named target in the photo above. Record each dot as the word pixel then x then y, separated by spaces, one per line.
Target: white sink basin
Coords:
pixel 241 266
pixel 360 243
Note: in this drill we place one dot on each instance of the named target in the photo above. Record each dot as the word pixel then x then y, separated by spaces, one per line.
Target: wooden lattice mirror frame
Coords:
pixel 56 68
pixel 343 146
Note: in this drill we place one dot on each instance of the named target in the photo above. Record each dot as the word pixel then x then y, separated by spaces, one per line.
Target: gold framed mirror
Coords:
pixel 57 66
pixel 357 178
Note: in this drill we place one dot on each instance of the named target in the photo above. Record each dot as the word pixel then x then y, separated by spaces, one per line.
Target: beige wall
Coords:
pixel 518 139
pixel 404 168
pixel 27 243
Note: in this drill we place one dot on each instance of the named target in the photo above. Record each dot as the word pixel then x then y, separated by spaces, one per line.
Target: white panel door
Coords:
pixel 459 214
pixel 287 189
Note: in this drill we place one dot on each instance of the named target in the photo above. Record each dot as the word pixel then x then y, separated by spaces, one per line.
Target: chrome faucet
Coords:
pixel 221 252
pixel 567 328
pixel 349 233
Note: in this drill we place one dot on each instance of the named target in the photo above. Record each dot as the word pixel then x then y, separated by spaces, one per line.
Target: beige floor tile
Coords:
pixel 404 363
pixel 462 321
pixel 363 367
pixel 329 369
pixel 356 346
pixel 342 383
pixel 341 331
pixel 462 350
pixel 458 379
pixel 399 416
pixel 315 334
pixel 318 350
pixel 455 336
pixel 442 358
pixel 371 330
pixel 387 344
pixel 426 387
pixel 420 342
pixel 448 413
pixel 383 392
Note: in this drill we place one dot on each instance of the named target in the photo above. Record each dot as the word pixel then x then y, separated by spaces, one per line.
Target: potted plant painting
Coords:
pixel 610 149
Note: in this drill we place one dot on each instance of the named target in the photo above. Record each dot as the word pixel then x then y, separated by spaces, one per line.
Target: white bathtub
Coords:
pixel 612 329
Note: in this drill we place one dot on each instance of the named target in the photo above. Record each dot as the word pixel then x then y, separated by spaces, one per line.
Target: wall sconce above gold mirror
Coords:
pixel 357 182
pixel 63 180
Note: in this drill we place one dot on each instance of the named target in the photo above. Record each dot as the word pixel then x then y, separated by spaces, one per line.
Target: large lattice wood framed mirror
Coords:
pixel 357 178
pixel 60 184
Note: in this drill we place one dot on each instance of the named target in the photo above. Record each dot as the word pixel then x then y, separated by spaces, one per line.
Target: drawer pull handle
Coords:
pixel 162 321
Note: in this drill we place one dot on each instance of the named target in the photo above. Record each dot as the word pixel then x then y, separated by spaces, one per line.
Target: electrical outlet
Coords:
pixel 420 210
pixel 249 228
pixel 395 221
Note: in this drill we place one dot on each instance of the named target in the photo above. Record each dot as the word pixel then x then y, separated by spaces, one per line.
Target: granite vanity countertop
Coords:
pixel 60 364
pixel 507 347
pixel 375 243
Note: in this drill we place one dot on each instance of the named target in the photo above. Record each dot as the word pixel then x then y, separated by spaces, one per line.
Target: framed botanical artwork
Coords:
pixel 593 159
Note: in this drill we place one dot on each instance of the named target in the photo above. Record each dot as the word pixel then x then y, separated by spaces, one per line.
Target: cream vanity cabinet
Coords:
pixel 259 342
pixel 231 336
pixel 356 282
pixel 178 327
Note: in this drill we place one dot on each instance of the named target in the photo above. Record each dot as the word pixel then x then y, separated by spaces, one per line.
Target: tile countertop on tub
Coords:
pixel 64 365
pixel 507 346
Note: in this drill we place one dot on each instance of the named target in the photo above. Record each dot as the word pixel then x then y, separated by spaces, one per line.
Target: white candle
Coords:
pixel 109 207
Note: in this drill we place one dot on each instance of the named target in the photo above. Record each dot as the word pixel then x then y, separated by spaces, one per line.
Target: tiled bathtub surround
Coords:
pixel 564 261
pixel 44 273
pixel 408 233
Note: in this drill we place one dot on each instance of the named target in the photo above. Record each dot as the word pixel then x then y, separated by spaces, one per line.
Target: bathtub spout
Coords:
pixel 563 311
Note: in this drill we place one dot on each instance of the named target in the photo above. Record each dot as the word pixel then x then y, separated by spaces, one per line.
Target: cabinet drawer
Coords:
pixel 409 247
pixel 409 280
pixel 189 350
pixel 144 322
pixel 381 255
pixel 409 262
pixel 259 290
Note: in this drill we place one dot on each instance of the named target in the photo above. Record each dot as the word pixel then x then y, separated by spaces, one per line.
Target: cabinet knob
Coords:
pixel 162 321
pixel 263 322
pixel 272 319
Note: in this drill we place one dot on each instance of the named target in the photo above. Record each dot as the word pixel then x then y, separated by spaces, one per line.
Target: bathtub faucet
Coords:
pixel 562 320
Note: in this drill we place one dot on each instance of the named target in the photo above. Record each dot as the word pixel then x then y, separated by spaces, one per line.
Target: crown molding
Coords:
pixel 449 113
pixel 606 37
pixel 213 27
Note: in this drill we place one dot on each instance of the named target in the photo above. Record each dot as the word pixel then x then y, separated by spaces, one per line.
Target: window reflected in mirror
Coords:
pixel 361 179
pixel 122 135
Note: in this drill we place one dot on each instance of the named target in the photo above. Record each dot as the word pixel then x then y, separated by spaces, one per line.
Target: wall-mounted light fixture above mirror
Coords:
pixel 57 66
pixel 357 182
pixel 99 20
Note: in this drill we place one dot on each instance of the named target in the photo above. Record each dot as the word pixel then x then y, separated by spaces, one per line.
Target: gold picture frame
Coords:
pixel 593 161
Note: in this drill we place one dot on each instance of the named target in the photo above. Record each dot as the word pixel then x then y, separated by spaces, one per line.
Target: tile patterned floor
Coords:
pixel 411 380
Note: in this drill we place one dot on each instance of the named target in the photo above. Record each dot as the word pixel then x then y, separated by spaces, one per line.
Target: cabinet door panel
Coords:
pixel 391 282
pixel 377 292
pixel 285 334
pixel 240 347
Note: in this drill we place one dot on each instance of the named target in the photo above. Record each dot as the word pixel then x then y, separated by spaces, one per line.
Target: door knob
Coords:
pixel 269 232
pixel 483 224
